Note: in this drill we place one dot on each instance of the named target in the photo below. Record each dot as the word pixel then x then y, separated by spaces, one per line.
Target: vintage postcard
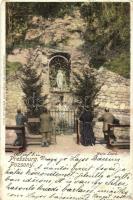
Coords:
pixel 66 100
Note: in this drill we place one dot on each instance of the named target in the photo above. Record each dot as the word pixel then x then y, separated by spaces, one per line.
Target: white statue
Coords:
pixel 60 79
pixel 62 108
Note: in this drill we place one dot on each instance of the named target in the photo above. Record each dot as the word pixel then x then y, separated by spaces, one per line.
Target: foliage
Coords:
pixel 31 86
pixel 16 23
pixel 120 65
pixel 12 67
pixel 86 89
pixel 108 31
pixel 54 9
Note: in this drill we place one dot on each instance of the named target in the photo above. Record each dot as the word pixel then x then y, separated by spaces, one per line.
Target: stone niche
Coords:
pixel 55 88
pixel 59 72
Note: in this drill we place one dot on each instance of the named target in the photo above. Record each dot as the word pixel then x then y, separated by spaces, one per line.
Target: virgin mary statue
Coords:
pixel 60 79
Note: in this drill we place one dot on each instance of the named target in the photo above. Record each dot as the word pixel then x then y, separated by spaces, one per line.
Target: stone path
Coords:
pixel 67 144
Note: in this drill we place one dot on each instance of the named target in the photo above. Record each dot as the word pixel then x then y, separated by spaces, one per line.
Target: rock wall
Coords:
pixel 14 100
pixel 60 32
pixel 65 35
pixel 115 95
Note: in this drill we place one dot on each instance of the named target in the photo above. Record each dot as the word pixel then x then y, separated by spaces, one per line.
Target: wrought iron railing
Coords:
pixel 64 121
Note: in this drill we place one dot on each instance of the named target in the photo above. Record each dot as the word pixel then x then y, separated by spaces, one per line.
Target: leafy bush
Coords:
pixel 107 35
pixel 120 65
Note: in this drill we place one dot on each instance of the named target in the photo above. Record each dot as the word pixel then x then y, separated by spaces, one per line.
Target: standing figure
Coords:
pixel 60 79
pixel 87 134
pixel 20 120
pixel 46 127
pixel 108 118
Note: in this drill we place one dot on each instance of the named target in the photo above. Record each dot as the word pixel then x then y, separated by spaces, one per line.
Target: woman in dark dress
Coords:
pixel 86 131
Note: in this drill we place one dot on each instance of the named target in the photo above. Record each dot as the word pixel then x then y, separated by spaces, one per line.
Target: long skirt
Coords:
pixel 87 135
